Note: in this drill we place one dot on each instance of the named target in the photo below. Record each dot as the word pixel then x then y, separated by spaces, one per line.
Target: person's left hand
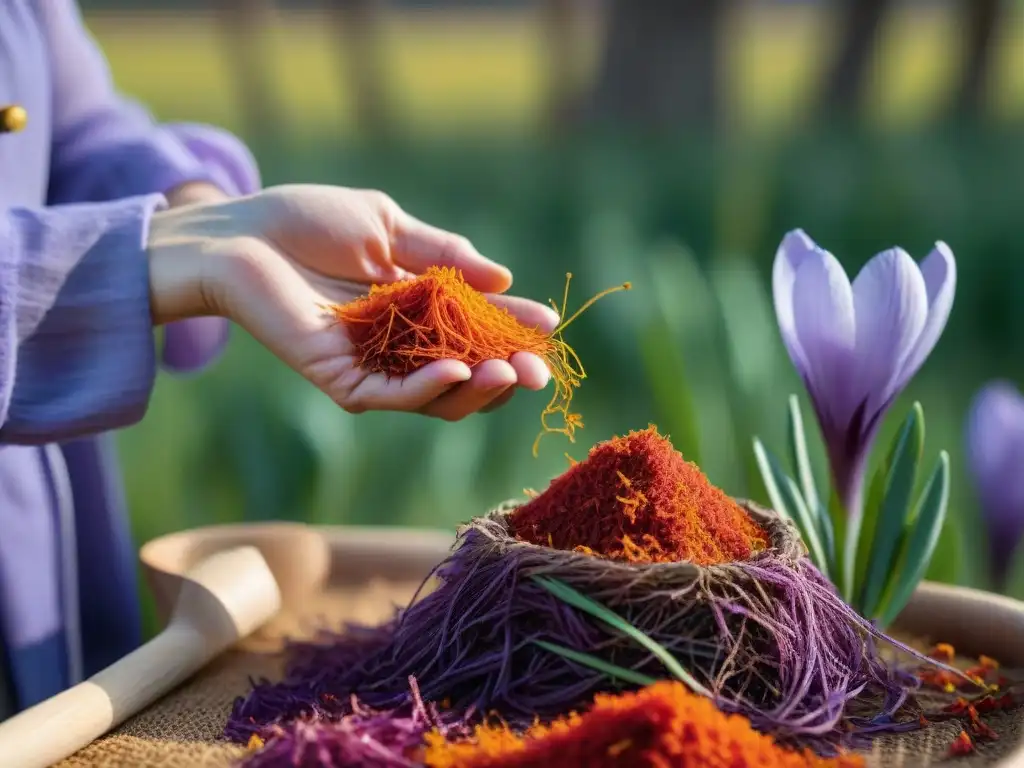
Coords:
pixel 282 254
pixel 194 193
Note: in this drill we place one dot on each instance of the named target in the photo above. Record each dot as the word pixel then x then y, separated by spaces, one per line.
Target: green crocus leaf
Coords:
pixel 845 550
pixel 947 560
pixel 865 534
pixel 588 660
pixel 801 461
pixel 787 501
pixel 570 596
pixel 920 542
pixel 894 512
pixel 868 523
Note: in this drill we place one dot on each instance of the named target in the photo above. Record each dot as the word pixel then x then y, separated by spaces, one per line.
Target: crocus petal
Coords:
pixel 939 272
pixel 995 447
pixel 890 306
pixel 823 317
pixel 995 443
pixel 796 247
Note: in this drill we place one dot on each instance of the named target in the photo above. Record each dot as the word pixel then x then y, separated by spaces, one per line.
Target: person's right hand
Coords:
pixel 272 260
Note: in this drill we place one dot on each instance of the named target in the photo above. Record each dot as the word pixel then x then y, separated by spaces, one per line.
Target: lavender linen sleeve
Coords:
pixel 76 336
pixel 107 147
pixel 191 344
pixel 104 146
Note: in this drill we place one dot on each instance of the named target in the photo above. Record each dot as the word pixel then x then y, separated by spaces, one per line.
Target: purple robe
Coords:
pixel 77 189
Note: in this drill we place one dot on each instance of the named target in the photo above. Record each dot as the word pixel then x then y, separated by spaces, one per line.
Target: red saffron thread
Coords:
pixel 400 327
pixel 968 710
pixel 661 726
pixel 962 745
pixel 635 498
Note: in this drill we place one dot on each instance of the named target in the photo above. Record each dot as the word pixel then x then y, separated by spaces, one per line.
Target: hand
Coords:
pixel 194 193
pixel 271 260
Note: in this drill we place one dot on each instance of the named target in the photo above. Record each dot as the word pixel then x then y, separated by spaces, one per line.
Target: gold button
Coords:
pixel 12 118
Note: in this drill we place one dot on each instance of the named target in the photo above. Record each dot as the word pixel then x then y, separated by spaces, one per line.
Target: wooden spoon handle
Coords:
pixel 225 597
pixel 71 720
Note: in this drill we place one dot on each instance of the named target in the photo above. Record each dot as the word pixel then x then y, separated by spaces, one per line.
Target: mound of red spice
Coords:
pixel 636 498
pixel 661 726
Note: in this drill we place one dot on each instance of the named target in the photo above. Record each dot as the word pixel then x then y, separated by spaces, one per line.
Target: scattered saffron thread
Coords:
pixel 636 498
pixel 962 745
pixel 400 327
pixel 661 725
pixel 968 706
pixel 983 676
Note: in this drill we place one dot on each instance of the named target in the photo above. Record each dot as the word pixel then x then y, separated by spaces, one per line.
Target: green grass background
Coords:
pixel 692 221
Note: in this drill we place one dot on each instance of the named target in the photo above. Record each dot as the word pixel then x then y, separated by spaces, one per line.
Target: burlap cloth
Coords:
pixel 183 729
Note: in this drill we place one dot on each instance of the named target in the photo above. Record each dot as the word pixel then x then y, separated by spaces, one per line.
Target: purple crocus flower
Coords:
pixel 856 346
pixel 995 456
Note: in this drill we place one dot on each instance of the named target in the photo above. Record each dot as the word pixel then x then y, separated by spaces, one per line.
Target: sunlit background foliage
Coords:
pixel 558 146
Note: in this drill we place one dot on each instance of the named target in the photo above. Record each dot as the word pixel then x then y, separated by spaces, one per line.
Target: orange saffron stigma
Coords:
pixel 661 725
pixel 635 498
pixel 943 652
pixel 962 745
pixel 400 327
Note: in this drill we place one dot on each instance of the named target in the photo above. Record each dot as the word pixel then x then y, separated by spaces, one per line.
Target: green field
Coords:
pixel 693 224
pixel 485 70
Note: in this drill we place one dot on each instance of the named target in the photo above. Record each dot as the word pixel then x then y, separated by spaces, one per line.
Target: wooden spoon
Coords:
pixel 297 555
pixel 220 600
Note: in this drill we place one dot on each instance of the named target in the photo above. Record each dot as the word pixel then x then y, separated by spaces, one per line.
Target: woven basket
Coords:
pixel 374 570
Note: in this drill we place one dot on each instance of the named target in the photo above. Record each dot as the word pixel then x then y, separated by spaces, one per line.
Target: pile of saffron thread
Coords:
pixel 636 498
pixel 767 635
pixel 400 327
pixel 661 726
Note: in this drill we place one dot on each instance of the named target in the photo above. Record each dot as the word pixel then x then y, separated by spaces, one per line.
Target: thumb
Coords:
pixel 417 245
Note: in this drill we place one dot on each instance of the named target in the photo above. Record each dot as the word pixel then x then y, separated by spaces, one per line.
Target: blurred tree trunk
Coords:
pixel 358 26
pixel 660 65
pixel 561 22
pixel 244 26
pixel 981 21
pixel 861 21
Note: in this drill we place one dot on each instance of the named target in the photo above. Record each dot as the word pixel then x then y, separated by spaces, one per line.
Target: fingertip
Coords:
pixel 531 371
pixel 551 319
pixel 448 371
pixel 494 374
pixel 483 273
pixel 503 276
pixel 420 245
pixel 528 312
